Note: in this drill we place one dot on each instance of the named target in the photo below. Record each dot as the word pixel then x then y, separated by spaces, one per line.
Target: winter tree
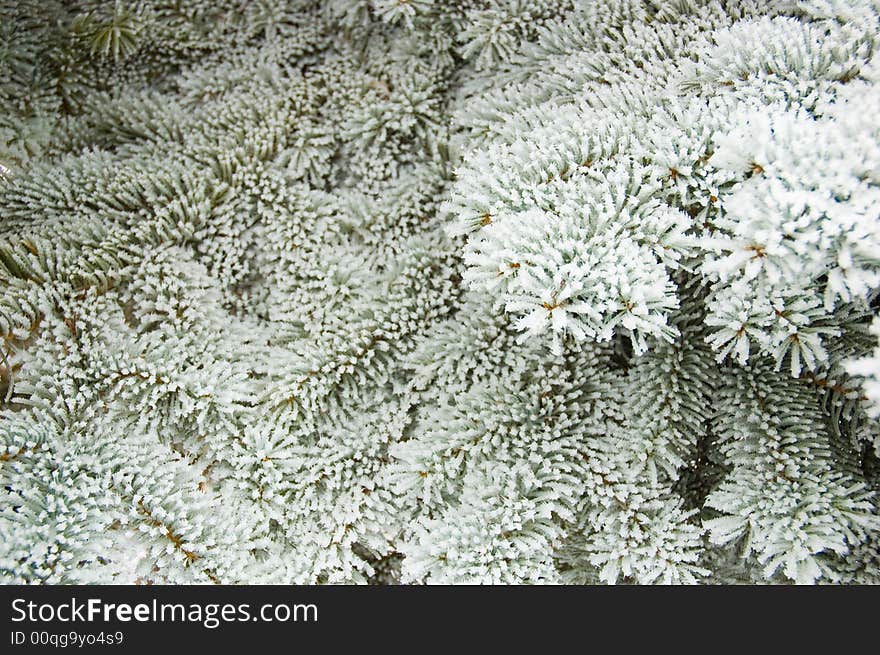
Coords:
pixel 423 291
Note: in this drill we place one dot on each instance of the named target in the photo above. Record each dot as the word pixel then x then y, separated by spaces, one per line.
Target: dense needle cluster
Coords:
pixel 423 291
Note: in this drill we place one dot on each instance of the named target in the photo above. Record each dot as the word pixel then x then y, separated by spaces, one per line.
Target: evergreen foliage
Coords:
pixel 493 291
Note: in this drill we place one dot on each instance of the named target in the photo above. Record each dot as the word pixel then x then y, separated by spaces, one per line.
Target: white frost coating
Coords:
pixel 485 291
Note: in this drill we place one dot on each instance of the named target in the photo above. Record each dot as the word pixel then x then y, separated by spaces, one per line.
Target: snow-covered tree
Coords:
pixel 419 291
